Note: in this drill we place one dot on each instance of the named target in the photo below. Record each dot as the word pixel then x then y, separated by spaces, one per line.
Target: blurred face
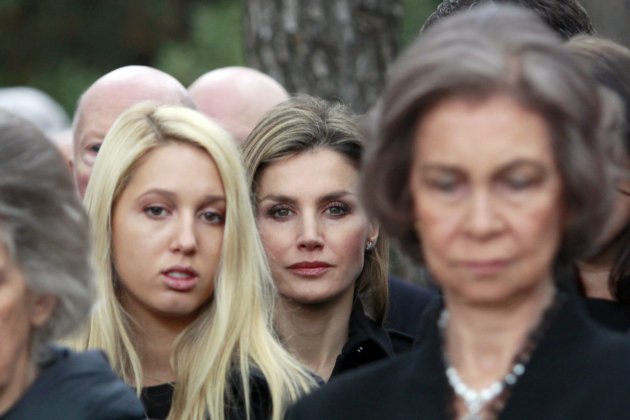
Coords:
pixel 167 231
pixel 487 199
pixel 312 226
pixel 21 312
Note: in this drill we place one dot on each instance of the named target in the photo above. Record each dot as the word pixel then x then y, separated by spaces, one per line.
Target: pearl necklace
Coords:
pixel 476 400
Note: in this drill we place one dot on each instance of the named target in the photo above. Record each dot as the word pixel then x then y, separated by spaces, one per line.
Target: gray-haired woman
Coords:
pixel 46 289
pixel 489 164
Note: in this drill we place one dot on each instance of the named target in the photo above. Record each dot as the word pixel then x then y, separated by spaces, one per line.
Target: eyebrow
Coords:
pixel 515 164
pixel 207 199
pixel 336 195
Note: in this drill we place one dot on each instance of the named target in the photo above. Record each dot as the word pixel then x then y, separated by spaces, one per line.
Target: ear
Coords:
pixel 42 308
pixel 373 231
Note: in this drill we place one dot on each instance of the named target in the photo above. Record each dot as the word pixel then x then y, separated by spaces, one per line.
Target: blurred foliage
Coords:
pixel 62 46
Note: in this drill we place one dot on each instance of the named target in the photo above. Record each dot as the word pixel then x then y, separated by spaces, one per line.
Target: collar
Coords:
pixel 367 342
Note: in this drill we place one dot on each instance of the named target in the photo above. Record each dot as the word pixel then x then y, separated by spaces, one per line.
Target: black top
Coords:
pixel 76 386
pixel 407 302
pixel 157 399
pixel 577 371
pixel 368 342
pixel 609 314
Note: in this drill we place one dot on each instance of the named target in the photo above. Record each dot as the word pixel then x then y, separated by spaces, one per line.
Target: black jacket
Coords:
pixel 76 386
pixel 368 342
pixel 407 302
pixel 578 371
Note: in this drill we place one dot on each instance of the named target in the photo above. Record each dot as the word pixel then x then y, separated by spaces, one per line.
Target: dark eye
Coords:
pixel 518 183
pixel 337 209
pixel 444 184
pixel 95 148
pixel 279 212
pixel 155 211
pixel 212 217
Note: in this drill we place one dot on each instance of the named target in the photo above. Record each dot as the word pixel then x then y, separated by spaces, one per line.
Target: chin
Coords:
pixel 314 298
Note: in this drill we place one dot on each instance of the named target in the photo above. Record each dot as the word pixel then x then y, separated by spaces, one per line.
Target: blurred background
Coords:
pixel 62 46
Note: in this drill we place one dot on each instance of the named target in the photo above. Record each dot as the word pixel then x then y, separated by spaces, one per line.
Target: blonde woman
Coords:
pixel 185 295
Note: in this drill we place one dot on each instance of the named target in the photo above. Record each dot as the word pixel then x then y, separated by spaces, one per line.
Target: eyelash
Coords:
pixel 217 218
pixel 149 211
pixel 520 183
pixel 345 209
pixel 274 212
pixel 211 217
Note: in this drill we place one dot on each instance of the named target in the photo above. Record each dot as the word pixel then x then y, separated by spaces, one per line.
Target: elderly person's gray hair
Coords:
pixel 43 225
pixel 495 50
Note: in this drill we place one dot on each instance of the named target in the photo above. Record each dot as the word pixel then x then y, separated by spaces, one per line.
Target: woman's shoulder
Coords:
pixel 72 385
pixel 389 388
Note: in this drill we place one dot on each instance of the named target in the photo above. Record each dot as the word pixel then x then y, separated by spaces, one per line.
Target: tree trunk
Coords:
pixel 611 18
pixel 337 49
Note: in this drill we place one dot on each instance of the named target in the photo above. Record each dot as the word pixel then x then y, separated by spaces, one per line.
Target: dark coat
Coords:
pixel 76 386
pixel 609 314
pixel 368 342
pixel 578 371
pixel 407 302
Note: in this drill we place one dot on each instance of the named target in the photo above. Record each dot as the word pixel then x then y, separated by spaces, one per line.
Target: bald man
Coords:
pixel 109 97
pixel 236 98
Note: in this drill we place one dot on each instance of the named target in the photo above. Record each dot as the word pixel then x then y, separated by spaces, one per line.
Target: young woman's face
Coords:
pixel 487 198
pixel 167 231
pixel 313 229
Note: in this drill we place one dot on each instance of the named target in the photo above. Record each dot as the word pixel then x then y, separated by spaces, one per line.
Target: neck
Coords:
pixel 21 374
pixel 315 333
pixel 594 278
pixel 482 341
pixel 153 338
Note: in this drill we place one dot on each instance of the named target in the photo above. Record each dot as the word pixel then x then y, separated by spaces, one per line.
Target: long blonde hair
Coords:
pixel 232 335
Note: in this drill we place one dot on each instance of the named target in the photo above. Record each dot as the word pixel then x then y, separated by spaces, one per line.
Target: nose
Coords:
pixel 310 236
pixel 483 218
pixel 184 235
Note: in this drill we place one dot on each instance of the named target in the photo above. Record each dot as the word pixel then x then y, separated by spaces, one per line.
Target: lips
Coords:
pixel 485 268
pixel 180 278
pixel 309 268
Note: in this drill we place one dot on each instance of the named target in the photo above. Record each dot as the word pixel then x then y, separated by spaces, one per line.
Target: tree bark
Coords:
pixel 337 49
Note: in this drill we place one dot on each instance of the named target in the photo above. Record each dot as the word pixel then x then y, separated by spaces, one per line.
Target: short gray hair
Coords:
pixel 477 54
pixel 43 225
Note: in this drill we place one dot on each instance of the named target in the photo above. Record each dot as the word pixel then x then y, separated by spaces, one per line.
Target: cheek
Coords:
pixel 349 241
pixel 434 225
pixel 14 323
pixel 277 239
pixel 131 247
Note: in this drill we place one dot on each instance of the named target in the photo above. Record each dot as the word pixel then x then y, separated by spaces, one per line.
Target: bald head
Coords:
pixel 236 98
pixel 109 97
